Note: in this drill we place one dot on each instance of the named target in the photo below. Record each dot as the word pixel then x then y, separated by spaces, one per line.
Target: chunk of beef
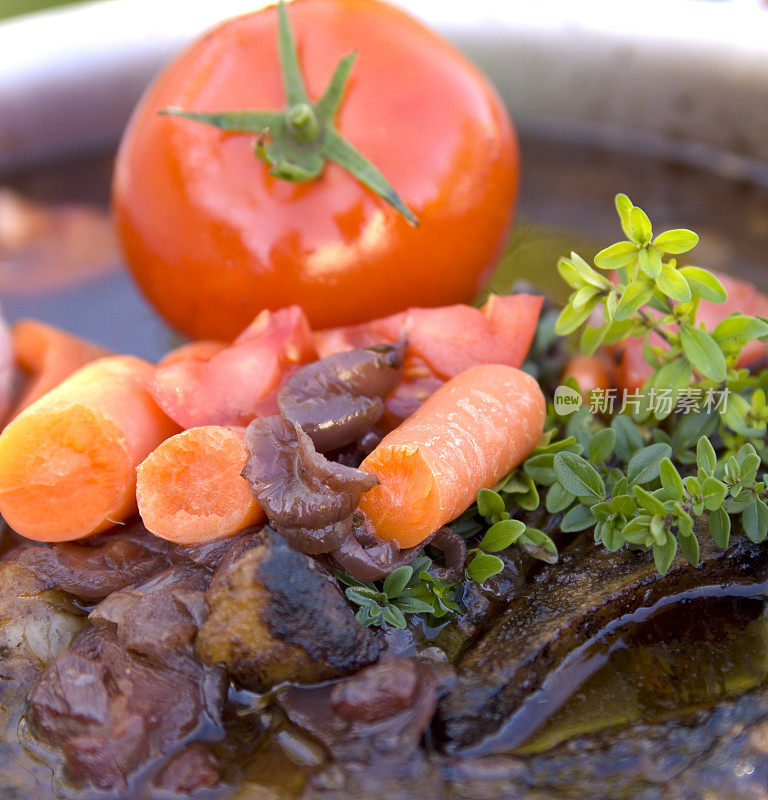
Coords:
pixel 112 712
pixel 379 713
pixel 211 554
pixel 193 769
pixel 276 615
pixel 161 614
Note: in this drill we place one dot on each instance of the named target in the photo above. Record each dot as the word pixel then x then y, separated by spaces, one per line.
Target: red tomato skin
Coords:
pixel 212 238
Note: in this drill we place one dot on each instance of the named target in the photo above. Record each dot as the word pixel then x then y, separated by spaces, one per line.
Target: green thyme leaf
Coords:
pixel 676 241
pixel 579 518
pixel 578 476
pixel 621 254
pixel 571 318
pixel 484 566
pixel 671 480
pixel 396 581
pixel 635 295
pixel 737 330
pixel 673 284
pixel 720 527
pixel 704 284
pixel 664 555
pixel 601 445
pixel 502 534
pixel 624 209
pixel 689 547
pixel 642 233
pixel 490 504
pixel 703 352
pixel 645 464
pixel 706 458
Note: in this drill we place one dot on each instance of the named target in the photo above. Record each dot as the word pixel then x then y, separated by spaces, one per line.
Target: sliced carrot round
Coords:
pixel 190 490
pixel 469 434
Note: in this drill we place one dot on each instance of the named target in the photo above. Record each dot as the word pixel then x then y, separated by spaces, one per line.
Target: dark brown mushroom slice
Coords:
pixel 302 493
pixel 338 398
pixel 316 541
pixel 508 684
pixel 367 557
pixel 454 550
pixel 98 566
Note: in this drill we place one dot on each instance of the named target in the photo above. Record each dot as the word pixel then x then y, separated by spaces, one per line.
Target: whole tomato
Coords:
pixel 213 238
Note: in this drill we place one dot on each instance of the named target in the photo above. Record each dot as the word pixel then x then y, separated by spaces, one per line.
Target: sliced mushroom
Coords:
pixel 304 495
pixel 338 398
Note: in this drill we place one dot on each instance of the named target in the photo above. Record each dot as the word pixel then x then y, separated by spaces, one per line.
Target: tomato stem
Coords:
pixel 296 143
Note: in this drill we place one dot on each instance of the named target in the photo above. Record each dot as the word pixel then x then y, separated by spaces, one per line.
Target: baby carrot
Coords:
pixel 190 490
pixel 592 373
pixel 48 355
pixel 68 461
pixel 466 436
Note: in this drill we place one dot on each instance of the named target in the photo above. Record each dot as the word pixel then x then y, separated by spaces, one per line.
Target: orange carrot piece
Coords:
pixel 48 355
pixel 466 436
pixel 68 462
pixel 190 490
pixel 592 373
pixel 202 349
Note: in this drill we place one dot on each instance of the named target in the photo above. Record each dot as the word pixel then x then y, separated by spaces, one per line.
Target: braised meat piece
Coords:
pixel 276 615
pixel 192 770
pixel 379 713
pixel 161 614
pixel 111 711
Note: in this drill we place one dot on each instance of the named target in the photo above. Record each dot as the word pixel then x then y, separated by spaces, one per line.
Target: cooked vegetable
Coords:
pixel 449 339
pixel 304 495
pixel 241 381
pixel 467 436
pixel 48 355
pixel 244 238
pixel 590 372
pixel 189 489
pixel 68 462
pixel 38 622
pixel 200 349
pixel 275 615
pixel 99 565
pixel 337 399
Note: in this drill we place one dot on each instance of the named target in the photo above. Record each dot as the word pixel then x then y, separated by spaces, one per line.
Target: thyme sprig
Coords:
pixel 655 478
